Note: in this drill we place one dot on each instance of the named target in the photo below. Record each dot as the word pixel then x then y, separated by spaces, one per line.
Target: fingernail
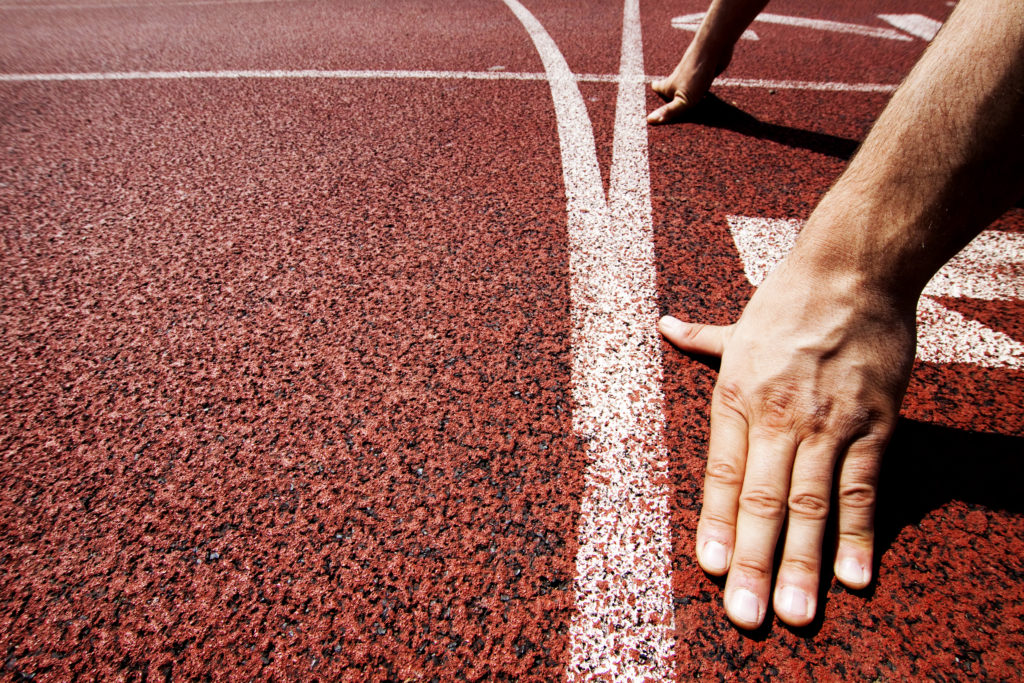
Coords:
pixel 852 572
pixel 793 602
pixel 670 324
pixel 745 607
pixel 713 557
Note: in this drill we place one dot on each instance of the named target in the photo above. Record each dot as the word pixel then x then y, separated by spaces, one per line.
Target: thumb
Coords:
pixel 708 340
pixel 669 112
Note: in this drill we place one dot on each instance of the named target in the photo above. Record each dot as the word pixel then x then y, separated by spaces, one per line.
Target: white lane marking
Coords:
pixel 833 26
pixel 140 5
pixel 691 21
pixel 762 243
pixel 947 336
pixel 623 627
pixel 990 267
pixel 456 75
pixel 273 73
pixel 915 24
pixel 804 85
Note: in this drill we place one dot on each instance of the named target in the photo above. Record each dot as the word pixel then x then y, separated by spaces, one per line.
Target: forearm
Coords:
pixel 724 23
pixel 945 158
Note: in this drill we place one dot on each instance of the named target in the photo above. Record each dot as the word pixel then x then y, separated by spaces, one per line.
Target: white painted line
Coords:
pixel 833 26
pixel 686 21
pixel 762 243
pixel 623 628
pixel 990 267
pixel 804 85
pixel 137 5
pixel 691 22
pixel 947 336
pixel 455 75
pixel 915 24
pixel 275 73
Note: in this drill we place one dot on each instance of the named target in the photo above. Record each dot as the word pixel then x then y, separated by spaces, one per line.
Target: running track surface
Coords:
pixel 327 354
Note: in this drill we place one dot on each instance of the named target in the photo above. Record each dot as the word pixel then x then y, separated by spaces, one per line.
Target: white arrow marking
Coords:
pixel 690 22
pixel 991 267
pixel 915 24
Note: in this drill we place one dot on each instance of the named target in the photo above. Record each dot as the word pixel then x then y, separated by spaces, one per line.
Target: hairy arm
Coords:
pixel 814 372
pixel 707 55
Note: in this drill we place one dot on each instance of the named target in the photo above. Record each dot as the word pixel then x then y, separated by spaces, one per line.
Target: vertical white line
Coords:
pixel 623 624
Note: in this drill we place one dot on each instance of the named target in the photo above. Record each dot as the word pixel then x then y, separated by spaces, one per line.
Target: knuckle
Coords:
pixel 809 506
pixel 757 566
pixel 763 502
pixel 778 405
pixel 857 496
pixel 868 426
pixel 717 520
pixel 723 473
pixel 801 564
pixel 857 538
pixel 693 331
pixel 731 397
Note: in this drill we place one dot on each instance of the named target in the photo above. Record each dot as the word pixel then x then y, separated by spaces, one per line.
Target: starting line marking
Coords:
pixel 990 268
pixel 138 5
pixel 343 74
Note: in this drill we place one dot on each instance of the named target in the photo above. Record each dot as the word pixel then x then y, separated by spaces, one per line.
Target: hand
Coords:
pixel 811 381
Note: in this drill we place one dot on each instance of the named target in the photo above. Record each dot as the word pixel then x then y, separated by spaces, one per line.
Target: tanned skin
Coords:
pixel 814 371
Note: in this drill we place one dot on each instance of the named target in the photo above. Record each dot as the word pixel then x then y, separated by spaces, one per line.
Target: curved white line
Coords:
pixel 623 626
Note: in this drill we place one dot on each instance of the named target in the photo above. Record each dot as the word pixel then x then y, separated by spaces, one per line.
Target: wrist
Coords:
pixel 873 250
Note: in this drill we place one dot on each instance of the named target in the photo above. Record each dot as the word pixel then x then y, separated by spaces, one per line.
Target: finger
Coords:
pixel 663 88
pixel 693 337
pixel 796 588
pixel 671 111
pixel 858 487
pixel 762 509
pixel 723 481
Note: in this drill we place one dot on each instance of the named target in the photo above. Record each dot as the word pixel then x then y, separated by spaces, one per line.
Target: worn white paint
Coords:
pixel 85 7
pixel 918 25
pixel 489 75
pixel 690 22
pixel 622 627
pixel 271 74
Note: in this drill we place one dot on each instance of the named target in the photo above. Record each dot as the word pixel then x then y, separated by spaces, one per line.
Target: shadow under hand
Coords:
pixel 927 466
pixel 717 113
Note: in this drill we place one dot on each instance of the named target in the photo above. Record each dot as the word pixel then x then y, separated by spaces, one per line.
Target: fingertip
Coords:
pixel 670 326
pixel 794 605
pixel 657 116
pixel 744 608
pixel 853 572
pixel 713 558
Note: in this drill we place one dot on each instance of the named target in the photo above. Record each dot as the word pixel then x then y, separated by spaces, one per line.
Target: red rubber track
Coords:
pixel 285 363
